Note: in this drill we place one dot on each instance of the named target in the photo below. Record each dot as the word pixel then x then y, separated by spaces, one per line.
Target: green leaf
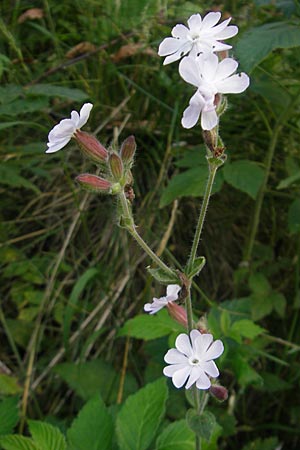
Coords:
pixel 46 436
pixel 15 442
pixel 257 43
pixel 279 303
pixel 9 175
pixel 202 425
pixel 140 416
pixel 244 175
pixel 294 216
pixel 92 429
pixel 9 385
pixel 259 284
pixel 149 327
pixel 288 181
pixel 191 182
pixel 196 268
pixel 263 444
pixel 49 90
pixel 243 371
pixel 261 306
pixel 163 277
pixel 245 328
pixel 177 436
pixel 9 414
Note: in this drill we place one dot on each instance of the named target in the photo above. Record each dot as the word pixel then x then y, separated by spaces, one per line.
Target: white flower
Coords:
pixel 210 77
pixel 192 360
pixel 62 133
pixel 159 303
pixel 201 36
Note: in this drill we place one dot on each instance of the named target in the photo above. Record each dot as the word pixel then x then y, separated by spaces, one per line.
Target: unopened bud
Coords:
pixel 91 147
pixel 178 313
pixel 219 392
pixel 93 183
pixel 116 166
pixel 128 150
pixel 210 139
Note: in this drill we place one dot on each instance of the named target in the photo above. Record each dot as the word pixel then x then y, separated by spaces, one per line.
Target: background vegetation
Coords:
pixel 71 279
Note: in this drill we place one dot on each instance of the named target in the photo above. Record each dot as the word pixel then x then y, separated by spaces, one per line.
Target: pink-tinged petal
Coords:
pixel 183 344
pixel 226 68
pixel 210 368
pixel 75 118
pixel 57 146
pixel 219 28
pixel 209 120
pixel 202 343
pixel 172 291
pixel 189 70
pixel 173 356
pixel 233 85
pixel 180 376
pixel 210 20
pixel 194 22
pixel 195 374
pixel 203 381
pixel 180 31
pixel 210 64
pixel 190 116
pixel 169 45
pixel 229 32
pixel 84 114
pixel 194 334
pixel 215 350
pixel 170 370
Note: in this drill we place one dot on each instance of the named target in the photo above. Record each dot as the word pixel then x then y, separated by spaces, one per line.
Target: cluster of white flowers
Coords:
pixel 202 68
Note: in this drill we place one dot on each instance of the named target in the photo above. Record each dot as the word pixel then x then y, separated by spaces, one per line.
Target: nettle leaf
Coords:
pixel 257 43
pixel 149 327
pixel 246 176
pixel 140 416
pixel 176 436
pixel 9 414
pixel 191 182
pixel 294 216
pixel 92 429
pixel 46 436
pixel 16 442
pixel 196 268
pixel 245 328
pixel 203 425
pixel 163 277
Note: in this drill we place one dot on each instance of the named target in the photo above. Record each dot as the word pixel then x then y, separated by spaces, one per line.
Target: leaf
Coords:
pixel 244 175
pixel 92 429
pixel 149 327
pixel 9 175
pixel 259 284
pixel 243 371
pixel 15 442
pixel 263 444
pixel 279 303
pixel 257 43
pixel 196 268
pixel 50 90
pixel 9 385
pixel 163 277
pixel 24 106
pixel 140 416
pixel 294 216
pixel 191 182
pixel 203 425
pixel 286 182
pixel 9 414
pixel 245 328
pixel 260 306
pixel 46 436
pixel 176 436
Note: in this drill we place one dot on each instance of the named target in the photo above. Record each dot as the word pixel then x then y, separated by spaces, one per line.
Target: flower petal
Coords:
pixel 229 32
pixel 210 20
pixel 194 334
pixel 183 344
pixel 180 31
pixel 84 114
pixel 189 70
pixel 75 118
pixel 201 344
pixel 173 356
pixel 172 291
pixel 58 145
pixel 190 116
pixel 170 370
pixel 215 350
pixel 210 368
pixel 209 120
pixel 194 22
pixel 169 46
pixel 233 85
pixel 180 376
pixel 210 65
pixel 219 28
pixel 203 381
pixel 194 375
pixel 226 68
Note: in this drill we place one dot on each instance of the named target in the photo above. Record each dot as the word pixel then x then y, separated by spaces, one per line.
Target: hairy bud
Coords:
pixel 219 392
pixel 93 183
pixel 116 166
pixel 91 147
pixel 177 313
pixel 128 149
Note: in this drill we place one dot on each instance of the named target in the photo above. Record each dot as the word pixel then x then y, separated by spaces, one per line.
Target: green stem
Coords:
pixel 212 173
pixel 131 228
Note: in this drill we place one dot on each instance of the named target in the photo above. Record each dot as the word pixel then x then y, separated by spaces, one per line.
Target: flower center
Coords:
pixel 194 361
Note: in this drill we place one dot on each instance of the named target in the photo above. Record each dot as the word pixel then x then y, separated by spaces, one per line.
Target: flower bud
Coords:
pixel 177 313
pixel 128 150
pixel 91 147
pixel 219 392
pixel 210 138
pixel 93 183
pixel 116 166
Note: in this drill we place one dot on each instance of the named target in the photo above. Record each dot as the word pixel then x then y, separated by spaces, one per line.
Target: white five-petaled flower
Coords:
pixel 201 36
pixel 62 133
pixel 192 360
pixel 210 77
pixel 159 303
